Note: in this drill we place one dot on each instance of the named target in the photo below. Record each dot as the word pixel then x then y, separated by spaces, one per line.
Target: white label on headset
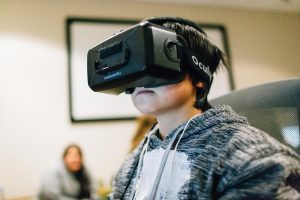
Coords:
pixel 202 67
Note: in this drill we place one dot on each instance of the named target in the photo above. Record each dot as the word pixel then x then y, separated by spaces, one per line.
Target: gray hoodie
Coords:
pixel 59 184
pixel 218 156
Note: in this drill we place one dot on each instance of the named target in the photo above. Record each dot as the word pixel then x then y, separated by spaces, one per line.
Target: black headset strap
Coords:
pixel 190 59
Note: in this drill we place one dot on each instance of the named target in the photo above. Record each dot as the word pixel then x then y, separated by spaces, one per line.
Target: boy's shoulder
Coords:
pixel 230 137
pixel 223 125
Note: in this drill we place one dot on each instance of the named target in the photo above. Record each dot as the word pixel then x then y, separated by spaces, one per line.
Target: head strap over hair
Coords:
pixel 190 58
pixel 194 62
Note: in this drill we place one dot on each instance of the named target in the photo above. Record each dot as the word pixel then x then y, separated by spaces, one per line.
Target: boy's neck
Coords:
pixel 169 121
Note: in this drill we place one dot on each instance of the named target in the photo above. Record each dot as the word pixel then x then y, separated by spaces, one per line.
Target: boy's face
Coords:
pixel 161 100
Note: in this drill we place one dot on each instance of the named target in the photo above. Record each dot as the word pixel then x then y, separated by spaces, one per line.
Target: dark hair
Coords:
pixel 197 42
pixel 72 146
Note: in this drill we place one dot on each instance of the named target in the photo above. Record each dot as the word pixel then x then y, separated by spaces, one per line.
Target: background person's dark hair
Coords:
pixel 72 146
pixel 197 41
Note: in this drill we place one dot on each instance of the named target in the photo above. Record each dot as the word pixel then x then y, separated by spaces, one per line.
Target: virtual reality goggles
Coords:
pixel 145 55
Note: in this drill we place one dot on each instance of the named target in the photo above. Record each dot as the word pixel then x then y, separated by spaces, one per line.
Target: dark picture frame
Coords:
pixel 86 105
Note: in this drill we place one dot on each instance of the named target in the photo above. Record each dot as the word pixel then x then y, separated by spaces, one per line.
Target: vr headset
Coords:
pixel 145 55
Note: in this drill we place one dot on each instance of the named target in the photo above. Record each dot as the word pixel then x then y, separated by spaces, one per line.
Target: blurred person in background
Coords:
pixel 69 179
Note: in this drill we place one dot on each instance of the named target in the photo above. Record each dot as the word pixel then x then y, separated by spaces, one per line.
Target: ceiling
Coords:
pixel 288 6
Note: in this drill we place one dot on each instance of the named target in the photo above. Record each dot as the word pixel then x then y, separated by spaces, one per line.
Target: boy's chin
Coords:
pixel 146 107
pixel 146 111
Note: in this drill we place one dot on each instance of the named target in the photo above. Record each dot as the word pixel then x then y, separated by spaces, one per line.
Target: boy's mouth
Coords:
pixel 144 91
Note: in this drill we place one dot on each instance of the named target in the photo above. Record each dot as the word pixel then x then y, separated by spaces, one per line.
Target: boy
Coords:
pixel 199 152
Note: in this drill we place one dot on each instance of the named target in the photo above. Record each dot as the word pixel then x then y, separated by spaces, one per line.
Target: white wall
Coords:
pixel 34 115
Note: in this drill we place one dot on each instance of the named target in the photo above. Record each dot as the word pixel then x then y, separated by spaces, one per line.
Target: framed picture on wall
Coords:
pixel 86 105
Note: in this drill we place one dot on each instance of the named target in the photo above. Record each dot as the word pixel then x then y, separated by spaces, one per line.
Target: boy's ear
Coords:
pixel 200 84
